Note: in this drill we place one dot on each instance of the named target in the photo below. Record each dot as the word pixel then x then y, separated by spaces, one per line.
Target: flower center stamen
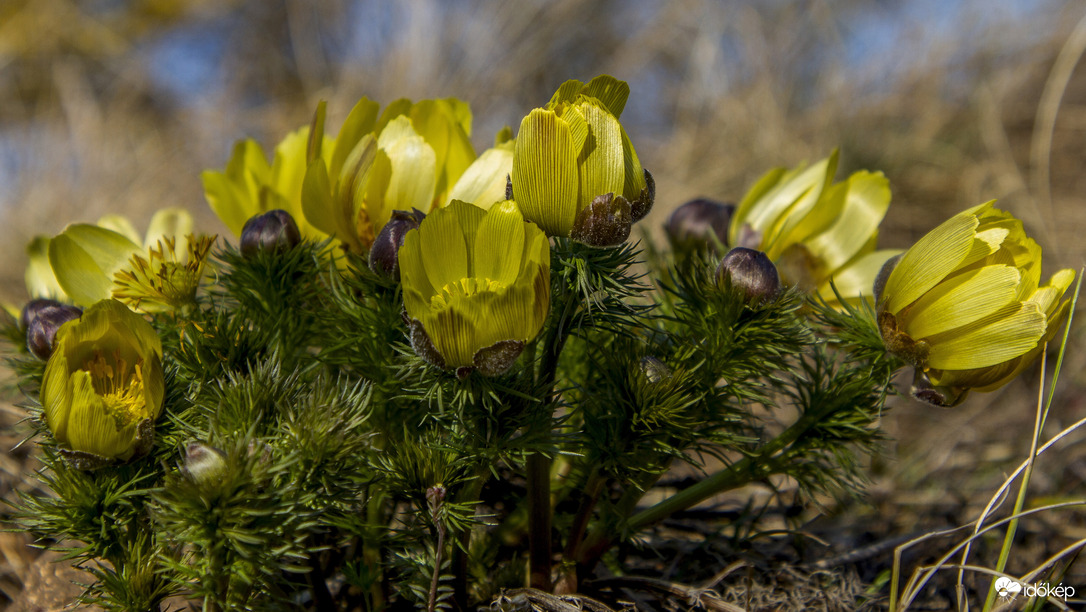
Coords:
pixel 463 288
pixel 119 386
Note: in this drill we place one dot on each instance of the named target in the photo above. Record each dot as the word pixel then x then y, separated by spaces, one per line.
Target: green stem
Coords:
pixel 471 493
pixel 751 468
pixel 371 552
pixel 539 464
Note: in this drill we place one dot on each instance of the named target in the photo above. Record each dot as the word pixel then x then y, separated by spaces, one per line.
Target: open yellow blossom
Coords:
pixel 347 186
pixel 103 386
pixel 89 263
pixel 816 231
pixel 965 305
pixel 476 285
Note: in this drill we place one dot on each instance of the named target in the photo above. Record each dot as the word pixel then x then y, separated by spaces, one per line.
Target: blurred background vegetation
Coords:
pixel 117 105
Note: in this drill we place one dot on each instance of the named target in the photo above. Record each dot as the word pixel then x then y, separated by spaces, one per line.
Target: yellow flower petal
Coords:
pixel 414 165
pixel 497 250
pixel 961 300
pixel 85 258
pixel 40 280
pixel 865 198
pixel 545 176
pixel 930 260
pixel 990 341
pixel 483 183
pixel 443 248
pixel 603 170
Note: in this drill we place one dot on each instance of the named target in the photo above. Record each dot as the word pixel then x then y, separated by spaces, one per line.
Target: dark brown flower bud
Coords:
pixel 41 319
pixel 944 397
pixel 606 221
pixel 751 272
pixel 698 222
pixel 273 231
pixel 884 275
pixel 643 204
pixel 386 247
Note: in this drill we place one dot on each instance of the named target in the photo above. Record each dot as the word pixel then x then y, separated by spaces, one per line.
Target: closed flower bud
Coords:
pixel 574 150
pixel 273 231
pixel 699 222
pixel 383 253
pixel 41 319
pixel 654 370
pixel 750 272
pixel 604 222
pixel 204 464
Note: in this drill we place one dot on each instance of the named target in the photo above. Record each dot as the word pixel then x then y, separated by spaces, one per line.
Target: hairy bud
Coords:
pixel 604 222
pixel 751 272
pixel 41 319
pixel 386 247
pixel 698 222
pixel 273 231
pixel 204 464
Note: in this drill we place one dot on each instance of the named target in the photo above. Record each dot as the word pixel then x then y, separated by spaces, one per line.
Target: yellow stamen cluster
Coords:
pixel 163 280
pixel 119 387
pixel 463 288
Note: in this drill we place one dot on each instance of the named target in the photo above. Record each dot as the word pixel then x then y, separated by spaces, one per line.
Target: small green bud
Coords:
pixel 654 370
pixel 751 272
pixel 41 319
pixel 697 222
pixel 273 231
pixel 386 247
pixel 606 221
pixel 204 464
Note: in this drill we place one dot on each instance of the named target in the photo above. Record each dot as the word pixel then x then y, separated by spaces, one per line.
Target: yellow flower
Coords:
pixel 346 187
pixel 575 150
pixel 96 262
pixel 103 388
pixel 485 180
pixel 964 305
pixel 476 285
pixel 816 231
pixel 249 185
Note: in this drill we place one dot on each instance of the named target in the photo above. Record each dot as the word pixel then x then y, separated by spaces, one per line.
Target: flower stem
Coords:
pixel 539 464
pixel 752 468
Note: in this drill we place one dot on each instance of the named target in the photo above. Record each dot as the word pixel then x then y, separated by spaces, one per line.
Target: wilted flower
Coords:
pixel 574 150
pixel 103 388
pixel 273 231
pixel 476 285
pixel 751 273
pixel 964 305
pixel 41 318
pixel 97 262
pixel 816 231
